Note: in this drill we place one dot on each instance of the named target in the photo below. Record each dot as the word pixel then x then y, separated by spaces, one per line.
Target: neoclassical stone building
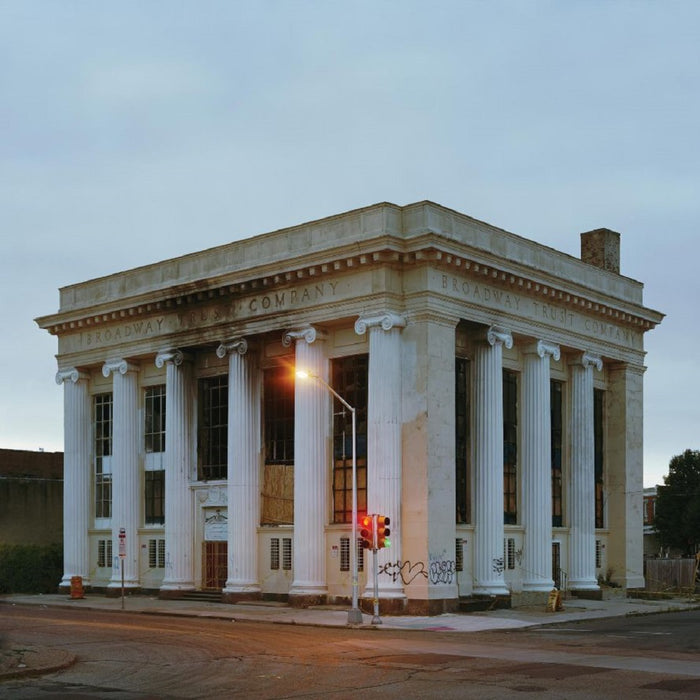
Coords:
pixel 497 385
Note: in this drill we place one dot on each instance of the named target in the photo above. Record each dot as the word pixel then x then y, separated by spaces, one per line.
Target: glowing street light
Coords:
pixel 354 614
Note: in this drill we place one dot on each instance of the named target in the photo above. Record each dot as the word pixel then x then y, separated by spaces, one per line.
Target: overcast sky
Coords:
pixel 131 132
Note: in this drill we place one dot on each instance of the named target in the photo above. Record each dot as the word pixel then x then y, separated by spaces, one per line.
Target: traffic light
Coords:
pixel 366 531
pixel 383 531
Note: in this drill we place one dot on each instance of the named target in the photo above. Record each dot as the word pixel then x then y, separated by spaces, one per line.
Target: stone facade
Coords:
pixel 498 392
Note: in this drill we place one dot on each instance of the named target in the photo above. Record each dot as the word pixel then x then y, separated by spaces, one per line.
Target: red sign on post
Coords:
pixel 122 543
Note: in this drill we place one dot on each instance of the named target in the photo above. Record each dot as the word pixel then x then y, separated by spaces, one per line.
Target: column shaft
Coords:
pixel 76 475
pixel 311 465
pixel 126 491
pixel 537 469
pixel 179 508
pixel 384 460
pixel 582 501
pixel 488 381
pixel 243 470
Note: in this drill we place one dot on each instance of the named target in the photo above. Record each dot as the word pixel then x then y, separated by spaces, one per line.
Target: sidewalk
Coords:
pixel 33 660
pixel 332 616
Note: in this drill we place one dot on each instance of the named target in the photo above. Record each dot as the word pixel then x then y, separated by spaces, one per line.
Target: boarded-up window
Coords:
pixel 277 494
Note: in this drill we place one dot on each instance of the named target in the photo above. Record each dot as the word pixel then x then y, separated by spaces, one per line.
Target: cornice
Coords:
pixel 426 250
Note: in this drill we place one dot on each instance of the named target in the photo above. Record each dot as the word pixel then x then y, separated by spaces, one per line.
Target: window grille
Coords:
pixel 287 553
pixel 155 497
pixel 557 432
pixel 275 553
pixel 510 447
pixel 459 554
pixel 462 440
pixel 345 554
pixel 349 378
pixel 278 409
pixel 156 554
pixel 509 553
pixel 102 407
pixel 154 430
pixel 104 553
pixel 599 454
pixel 598 554
pixel 212 435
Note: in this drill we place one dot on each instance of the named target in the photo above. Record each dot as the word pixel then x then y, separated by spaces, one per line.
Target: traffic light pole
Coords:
pixel 376 620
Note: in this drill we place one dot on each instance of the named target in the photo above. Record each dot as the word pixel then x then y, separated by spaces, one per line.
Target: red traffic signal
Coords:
pixel 367 531
pixel 383 531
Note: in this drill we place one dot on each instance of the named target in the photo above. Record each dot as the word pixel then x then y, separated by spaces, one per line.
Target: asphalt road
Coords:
pixel 127 656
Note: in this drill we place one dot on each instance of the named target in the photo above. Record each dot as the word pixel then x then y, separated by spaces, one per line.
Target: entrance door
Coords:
pixel 215 565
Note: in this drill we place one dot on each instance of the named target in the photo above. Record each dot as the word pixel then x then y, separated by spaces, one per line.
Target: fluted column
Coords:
pixel 582 498
pixel 536 461
pixel 311 467
pixel 76 475
pixel 384 437
pixel 126 491
pixel 179 508
pixel 488 380
pixel 243 469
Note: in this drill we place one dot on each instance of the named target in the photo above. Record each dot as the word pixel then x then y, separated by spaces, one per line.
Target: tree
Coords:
pixel 677 518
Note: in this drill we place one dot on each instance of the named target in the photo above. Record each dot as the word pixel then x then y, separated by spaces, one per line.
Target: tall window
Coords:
pixel 555 393
pixel 462 494
pixel 510 447
pixel 154 432
pixel 212 434
pixel 155 497
pixel 278 408
pixel 598 424
pixel 349 379
pixel 102 406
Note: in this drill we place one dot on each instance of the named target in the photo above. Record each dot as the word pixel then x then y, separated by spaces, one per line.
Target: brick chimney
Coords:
pixel 601 248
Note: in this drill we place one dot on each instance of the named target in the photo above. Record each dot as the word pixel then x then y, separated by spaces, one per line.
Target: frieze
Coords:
pixel 550 314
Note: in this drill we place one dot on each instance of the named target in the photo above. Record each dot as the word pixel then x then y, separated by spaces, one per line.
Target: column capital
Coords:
pixel 239 345
pixel 170 355
pixel 386 321
pixel 496 334
pixel 587 359
pixel 72 374
pixel 118 365
pixel 307 333
pixel 542 348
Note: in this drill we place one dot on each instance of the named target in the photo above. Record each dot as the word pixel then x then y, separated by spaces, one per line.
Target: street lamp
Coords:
pixel 354 614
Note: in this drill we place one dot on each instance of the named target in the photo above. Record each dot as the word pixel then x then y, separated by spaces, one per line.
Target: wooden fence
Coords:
pixel 670 574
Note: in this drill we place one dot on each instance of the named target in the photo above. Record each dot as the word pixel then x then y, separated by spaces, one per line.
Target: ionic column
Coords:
pixel 536 461
pixel 243 470
pixel 488 381
pixel 77 473
pixel 384 437
pixel 126 491
pixel 311 466
pixel 582 501
pixel 179 508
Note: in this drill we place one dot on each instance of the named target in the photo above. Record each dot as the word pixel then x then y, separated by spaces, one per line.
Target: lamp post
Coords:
pixel 354 614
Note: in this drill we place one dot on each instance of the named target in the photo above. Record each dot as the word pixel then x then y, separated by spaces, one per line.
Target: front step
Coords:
pixel 203 596
pixel 478 603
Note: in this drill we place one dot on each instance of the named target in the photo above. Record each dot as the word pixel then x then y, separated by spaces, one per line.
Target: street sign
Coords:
pixel 122 543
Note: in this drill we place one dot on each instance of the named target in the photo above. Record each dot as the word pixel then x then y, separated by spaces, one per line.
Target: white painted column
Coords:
pixel 243 469
pixel 179 508
pixel 488 381
pixel 126 481
pixel 582 497
pixel 77 472
pixel 384 461
pixel 536 461
pixel 312 434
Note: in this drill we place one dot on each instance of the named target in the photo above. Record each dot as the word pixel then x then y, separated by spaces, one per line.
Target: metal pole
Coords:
pixel 122 563
pixel 376 620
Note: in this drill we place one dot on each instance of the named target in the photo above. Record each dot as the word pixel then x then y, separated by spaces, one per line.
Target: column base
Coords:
pixel 539 586
pixel 497 588
pixel 174 591
pixel 114 590
pixel 239 594
pixel 583 585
